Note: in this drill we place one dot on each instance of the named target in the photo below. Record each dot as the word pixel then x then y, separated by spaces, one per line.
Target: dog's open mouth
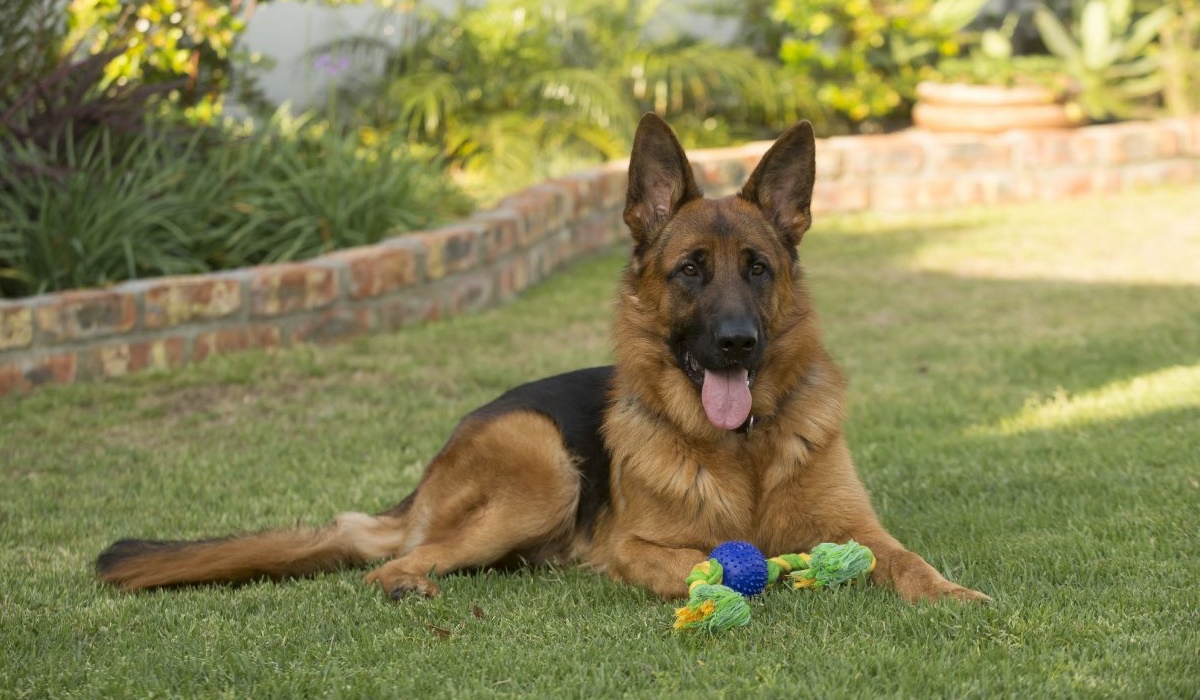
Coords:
pixel 725 393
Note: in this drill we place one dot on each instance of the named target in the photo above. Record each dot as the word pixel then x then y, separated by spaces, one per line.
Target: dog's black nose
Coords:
pixel 737 338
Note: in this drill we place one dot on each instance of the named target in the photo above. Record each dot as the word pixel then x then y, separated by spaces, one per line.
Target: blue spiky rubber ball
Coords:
pixel 745 568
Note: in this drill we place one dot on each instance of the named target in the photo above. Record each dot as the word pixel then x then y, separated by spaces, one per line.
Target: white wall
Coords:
pixel 285 31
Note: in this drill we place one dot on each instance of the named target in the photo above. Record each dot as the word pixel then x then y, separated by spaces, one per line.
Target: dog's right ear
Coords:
pixel 660 180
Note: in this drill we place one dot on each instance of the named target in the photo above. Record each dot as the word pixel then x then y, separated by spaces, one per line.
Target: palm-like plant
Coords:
pixel 518 90
pixel 1104 50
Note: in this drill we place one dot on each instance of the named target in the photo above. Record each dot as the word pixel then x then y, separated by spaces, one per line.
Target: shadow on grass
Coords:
pixel 991 345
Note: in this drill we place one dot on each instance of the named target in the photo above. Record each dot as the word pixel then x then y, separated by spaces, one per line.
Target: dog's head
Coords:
pixel 712 280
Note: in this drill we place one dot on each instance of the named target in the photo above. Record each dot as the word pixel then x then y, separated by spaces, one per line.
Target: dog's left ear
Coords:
pixel 781 186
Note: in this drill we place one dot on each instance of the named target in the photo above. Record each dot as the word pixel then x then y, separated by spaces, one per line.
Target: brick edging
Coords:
pixel 492 255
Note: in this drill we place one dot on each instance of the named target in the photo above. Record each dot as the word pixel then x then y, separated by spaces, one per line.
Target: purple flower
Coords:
pixel 332 65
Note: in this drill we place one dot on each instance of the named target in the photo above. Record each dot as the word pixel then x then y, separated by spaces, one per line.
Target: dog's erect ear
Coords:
pixel 660 179
pixel 782 183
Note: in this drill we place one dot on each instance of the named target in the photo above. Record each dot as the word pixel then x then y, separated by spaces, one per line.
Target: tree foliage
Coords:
pixel 187 43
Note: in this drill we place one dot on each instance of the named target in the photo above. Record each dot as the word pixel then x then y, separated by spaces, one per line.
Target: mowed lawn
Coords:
pixel 1026 411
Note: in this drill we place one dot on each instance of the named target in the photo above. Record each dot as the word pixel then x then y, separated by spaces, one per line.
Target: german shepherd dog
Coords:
pixel 721 419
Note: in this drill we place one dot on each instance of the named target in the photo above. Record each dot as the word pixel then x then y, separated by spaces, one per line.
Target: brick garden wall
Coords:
pixel 493 255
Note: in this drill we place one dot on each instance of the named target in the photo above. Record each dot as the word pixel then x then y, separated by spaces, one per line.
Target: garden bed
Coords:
pixel 493 255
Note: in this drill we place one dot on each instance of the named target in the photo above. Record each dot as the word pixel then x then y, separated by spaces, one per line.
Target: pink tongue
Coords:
pixel 726 398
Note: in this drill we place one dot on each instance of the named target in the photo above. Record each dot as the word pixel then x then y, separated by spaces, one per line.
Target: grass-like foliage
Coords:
pixel 1026 411
pixel 295 188
pixel 108 207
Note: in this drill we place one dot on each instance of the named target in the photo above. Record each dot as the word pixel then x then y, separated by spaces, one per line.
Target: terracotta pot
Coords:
pixel 989 108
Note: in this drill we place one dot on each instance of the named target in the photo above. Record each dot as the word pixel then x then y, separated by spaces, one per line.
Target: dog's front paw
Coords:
pixel 398 584
pixel 916 581
pixel 929 585
pixel 957 592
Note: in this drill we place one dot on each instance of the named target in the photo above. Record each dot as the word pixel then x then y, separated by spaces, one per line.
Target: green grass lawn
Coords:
pixel 1026 411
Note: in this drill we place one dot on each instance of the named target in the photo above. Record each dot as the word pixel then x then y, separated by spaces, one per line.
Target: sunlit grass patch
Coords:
pixel 1169 389
pixel 1106 241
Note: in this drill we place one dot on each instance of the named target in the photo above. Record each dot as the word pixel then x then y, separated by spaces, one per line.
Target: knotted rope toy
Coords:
pixel 718 588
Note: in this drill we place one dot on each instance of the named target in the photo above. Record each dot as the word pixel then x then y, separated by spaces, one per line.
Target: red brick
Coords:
pixel 969 153
pixel 879 155
pixel 276 290
pixel 12 379
pixel 566 248
pixel 554 202
pixel 613 179
pixel 512 276
pixel 469 293
pixel 119 359
pixel 501 232
pixel 585 190
pixel 410 309
pixel 376 270
pixel 451 249
pixel 28 374
pixel 1042 148
pixel 596 232
pixel 537 225
pixel 159 354
pixel 1156 173
pixel 946 192
pixel 85 314
pixel 1129 142
pixel 893 194
pixel 108 361
pixel 333 324
pixel 234 340
pixel 720 171
pixel 1075 182
pixel 1171 138
pixel 1001 188
pixel 843 196
pixel 16 325
pixel 177 300
pixel 829 162
pixel 1192 128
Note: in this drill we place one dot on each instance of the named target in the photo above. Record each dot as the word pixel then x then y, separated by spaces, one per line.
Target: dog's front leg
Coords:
pixel 913 578
pixel 660 568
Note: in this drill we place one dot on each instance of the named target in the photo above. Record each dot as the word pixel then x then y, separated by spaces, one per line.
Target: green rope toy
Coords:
pixel 719 587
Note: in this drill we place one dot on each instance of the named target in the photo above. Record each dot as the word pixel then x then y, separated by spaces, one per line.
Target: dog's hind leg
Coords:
pixel 503 485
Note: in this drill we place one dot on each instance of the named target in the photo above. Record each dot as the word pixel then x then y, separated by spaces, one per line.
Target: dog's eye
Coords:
pixel 689 269
pixel 757 269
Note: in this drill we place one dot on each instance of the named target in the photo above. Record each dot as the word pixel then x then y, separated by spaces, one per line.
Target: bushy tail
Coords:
pixel 139 564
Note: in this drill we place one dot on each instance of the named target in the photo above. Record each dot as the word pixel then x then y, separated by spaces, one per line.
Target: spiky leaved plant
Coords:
pixel 1105 51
